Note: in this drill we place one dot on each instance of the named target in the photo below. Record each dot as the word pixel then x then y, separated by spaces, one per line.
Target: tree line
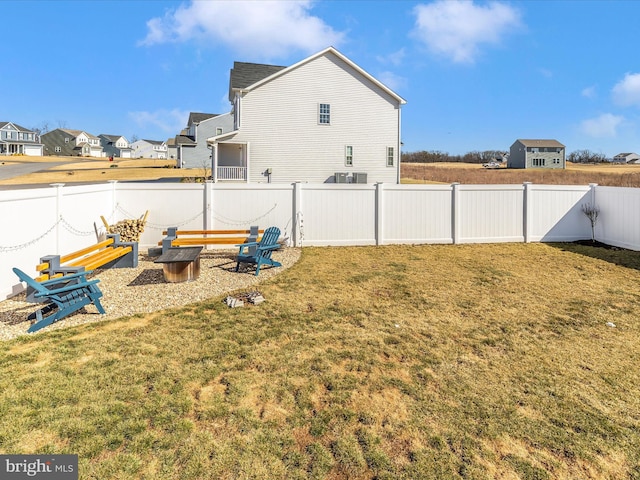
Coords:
pixel 433 156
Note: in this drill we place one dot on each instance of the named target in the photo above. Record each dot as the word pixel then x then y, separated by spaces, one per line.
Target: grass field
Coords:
pixel 575 174
pixel 394 362
pixel 98 170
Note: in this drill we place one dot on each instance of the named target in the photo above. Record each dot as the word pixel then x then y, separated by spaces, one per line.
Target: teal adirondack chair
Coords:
pixel 61 296
pixel 263 250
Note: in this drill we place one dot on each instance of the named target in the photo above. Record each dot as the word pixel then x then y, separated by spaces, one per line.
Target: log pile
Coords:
pixel 129 229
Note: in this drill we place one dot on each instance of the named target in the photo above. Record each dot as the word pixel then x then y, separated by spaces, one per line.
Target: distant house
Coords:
pixel 149 149
pixel 17 140
pixel 536 154
pixel 115 146
pixel 626 158
pixel 63 141
pixel 323 119
pixel 192 150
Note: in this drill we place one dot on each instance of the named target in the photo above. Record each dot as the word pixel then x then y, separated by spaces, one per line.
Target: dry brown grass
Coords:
pixel 575 174
pixel 96 170
pixel 395 362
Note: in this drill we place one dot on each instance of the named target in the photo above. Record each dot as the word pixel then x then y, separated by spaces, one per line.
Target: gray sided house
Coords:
pixel 115 146
pixel 192 150
pixel 537 154
pixel 63 141
pixel 17 140
pixel 321 120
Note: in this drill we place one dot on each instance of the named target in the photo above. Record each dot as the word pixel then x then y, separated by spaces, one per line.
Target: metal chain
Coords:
pixel 13 248
pixel 228 221
pixel 70 228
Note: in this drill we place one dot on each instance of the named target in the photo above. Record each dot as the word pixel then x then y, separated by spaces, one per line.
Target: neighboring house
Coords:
pixel 323 119
pixel 192 150
pixel 63 141
pixel 172 151
pixel 115 146
pixel 17 140
pixel 149 149
pixel 536 154
pixel 626 158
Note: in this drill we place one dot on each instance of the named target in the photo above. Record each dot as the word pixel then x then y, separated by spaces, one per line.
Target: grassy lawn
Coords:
pixel 395 362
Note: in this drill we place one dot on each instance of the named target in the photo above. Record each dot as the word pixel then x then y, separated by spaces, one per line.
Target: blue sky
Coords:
pixel 476 75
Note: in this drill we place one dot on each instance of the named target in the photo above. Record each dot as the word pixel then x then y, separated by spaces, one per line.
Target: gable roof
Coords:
pixel 17 127
pixel 195 117
pixel 625 154
pixel 540 143
pixel 252 75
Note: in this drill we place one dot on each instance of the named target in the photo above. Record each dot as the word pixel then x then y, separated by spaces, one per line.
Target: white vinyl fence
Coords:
pixel 61 219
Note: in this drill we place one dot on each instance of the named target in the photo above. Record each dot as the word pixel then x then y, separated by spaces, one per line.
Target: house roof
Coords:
pixel 539 143
pixel 195 117
pixel 153 142
pixel 111 138
pixel 625 154
pixel 244 75
pixel 253 77
pixel 184 140
pixel 18 127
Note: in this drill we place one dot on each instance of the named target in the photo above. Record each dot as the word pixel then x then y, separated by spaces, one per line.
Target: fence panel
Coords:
pixel 416 214
pixel 490 213
pixel 555 213
pixel 338 214
pixel 619 220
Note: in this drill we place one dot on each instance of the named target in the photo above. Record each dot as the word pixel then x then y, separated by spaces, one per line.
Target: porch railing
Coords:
pixel 232 173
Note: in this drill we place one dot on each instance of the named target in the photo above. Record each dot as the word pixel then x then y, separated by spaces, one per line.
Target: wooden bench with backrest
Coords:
pixel 110 253
pixel 190 238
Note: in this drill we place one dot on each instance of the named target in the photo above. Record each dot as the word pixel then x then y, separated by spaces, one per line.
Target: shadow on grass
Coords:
pixel 609 253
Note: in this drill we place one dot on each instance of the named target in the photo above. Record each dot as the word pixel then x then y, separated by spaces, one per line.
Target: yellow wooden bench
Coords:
pixel 110 253
pixel 184 238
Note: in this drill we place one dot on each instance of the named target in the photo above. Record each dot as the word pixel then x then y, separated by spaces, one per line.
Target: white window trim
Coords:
pixel 320 114
pixel 348 156
pixel 393 157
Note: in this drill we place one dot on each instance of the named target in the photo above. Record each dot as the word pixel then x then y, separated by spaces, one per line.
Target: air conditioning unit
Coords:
pixel 360 177
pixel 340 177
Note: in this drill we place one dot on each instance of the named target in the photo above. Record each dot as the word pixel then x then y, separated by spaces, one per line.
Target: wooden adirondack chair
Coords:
pixel 61 296
pixel 263 250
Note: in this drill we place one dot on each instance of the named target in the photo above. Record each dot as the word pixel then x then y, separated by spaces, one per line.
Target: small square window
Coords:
pixel 219 131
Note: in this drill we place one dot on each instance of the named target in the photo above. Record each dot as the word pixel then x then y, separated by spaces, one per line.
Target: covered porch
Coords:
pixel 230 162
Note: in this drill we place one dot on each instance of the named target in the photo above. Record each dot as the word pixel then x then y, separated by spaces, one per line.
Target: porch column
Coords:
pixel 214 162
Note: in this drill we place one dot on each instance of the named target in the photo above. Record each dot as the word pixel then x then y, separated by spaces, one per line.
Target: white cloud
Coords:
pixel 589 92
pixel 268 28
pixel 168 121
pixel 457 29
pixel 394 58
pixel 391 80
pixel 626 92
pixel 605 125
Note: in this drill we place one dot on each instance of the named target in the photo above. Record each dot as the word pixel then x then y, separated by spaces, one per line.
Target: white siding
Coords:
pixel 280 121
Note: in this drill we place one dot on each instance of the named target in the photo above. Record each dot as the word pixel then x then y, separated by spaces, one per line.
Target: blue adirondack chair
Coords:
pixel 61 296
pixel 263 250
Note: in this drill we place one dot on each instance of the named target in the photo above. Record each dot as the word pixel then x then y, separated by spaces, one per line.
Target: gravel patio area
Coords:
pixel 128 291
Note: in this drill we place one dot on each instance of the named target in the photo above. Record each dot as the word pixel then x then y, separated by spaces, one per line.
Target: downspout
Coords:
pixel 399 144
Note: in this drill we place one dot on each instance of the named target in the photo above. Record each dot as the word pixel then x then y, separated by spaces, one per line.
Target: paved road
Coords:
pixel 16 169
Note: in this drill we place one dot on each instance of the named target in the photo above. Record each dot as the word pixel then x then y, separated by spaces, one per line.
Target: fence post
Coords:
pixel 208 198
pixel 379 214
pixel 455 213
pixel 526 211
pixel 296 215
pixel 592 192
pixel 59 195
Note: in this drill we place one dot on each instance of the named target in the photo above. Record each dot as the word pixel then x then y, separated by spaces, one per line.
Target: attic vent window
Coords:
pixel 324 114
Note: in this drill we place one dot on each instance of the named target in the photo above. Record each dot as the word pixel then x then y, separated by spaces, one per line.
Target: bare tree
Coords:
pixel 592 212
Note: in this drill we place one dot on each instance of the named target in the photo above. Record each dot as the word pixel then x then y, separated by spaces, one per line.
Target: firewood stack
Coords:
pixel 129 229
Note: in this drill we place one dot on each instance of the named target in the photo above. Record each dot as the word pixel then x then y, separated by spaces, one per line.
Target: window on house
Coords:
pixel 66 140
pixel 219 131
pixel 58 149
pixel 348 156
pixel 390 156
pixel 324 111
